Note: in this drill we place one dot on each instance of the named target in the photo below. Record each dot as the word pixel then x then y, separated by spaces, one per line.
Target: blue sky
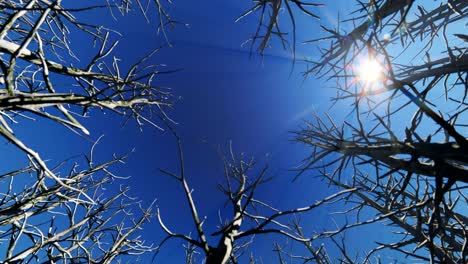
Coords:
pixel 225 95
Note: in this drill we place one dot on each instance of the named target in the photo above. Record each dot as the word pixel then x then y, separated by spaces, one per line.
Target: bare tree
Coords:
pixel 50 223
pixel 53 213
pixel 270 21
pixel 250 217
pixel 403 67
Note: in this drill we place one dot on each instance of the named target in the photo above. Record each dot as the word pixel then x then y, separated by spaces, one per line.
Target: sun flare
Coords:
pixel 370 71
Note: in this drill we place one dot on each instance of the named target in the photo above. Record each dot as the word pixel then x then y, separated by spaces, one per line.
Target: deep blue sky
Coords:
pixel 225 95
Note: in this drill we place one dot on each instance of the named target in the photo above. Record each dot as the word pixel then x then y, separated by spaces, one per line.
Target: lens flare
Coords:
pixel 370 71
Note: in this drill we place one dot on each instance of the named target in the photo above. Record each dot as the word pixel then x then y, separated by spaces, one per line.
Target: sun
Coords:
pixel 370 71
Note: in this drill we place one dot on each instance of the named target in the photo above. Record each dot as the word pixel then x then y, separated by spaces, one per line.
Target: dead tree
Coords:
pixel 402 65
pixel 404 144
pixel 53 213
pixel 250 217
pixel 270 22
pixel 80 222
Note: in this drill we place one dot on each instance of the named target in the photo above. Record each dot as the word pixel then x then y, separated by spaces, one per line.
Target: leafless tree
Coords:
pixel 250 217
pixel 403 146
pixel 44 222
pixel 52 213
pixel 270 23
pixel 411 171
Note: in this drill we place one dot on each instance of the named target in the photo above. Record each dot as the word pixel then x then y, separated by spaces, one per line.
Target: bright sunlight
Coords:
pixel 370 71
